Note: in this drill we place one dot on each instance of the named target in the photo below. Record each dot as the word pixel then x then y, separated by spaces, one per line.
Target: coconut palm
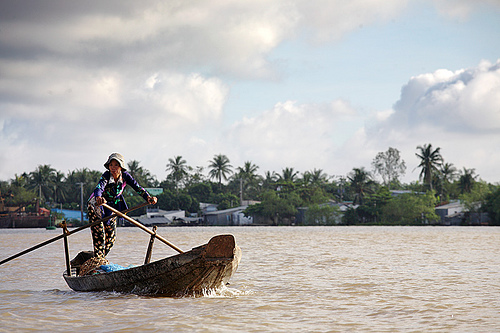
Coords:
pixel 467 180
pixel 220 168
pixel 142 175
pixel 248 171
pixel 178 170
pixel 318 178
pixel 83 176
pixel 134 168
pixel 361 184
pixel 448 172
pixel 287 180
pixel 269 180
pixel 288 175
pixel 430 161
pixel 248 177
pixel 59 187
pixel 448 175
pixel 41 180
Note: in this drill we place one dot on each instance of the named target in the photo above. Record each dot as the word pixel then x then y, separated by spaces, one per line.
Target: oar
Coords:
pixel 131 220
pixel 69 233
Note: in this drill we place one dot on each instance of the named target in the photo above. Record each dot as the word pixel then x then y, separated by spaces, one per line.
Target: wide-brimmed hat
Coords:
pixel 117 157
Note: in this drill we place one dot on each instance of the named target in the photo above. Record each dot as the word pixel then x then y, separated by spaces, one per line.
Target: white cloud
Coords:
pixel 151 79
pixel 331 20
pixel 461 9
pixel 458 111
pixel 102 114
pixel 193 97
pixel 461 100
pixel 293 135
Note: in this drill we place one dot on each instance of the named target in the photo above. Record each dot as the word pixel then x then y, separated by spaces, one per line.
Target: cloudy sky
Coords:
pixel 323 84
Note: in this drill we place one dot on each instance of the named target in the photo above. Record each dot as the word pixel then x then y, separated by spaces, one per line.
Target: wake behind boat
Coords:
pixel 206 267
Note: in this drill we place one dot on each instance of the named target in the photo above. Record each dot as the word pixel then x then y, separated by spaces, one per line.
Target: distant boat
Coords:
pixel 51 225
pixel 206 267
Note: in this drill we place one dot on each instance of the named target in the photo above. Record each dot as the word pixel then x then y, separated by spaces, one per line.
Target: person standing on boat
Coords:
pixel 110 190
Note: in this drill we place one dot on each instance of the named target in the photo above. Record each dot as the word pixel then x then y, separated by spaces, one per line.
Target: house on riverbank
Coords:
pixel 455 213
pixel 232 216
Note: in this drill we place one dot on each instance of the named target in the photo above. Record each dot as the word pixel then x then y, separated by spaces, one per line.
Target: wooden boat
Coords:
pixel 206 267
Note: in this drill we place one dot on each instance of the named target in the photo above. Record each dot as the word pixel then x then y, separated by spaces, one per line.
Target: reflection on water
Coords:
pixel 335 279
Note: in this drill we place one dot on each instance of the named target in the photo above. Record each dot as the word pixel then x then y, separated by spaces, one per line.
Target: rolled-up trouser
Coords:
pixel 104 233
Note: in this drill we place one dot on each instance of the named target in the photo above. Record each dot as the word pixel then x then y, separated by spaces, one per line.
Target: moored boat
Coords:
pixel 206 267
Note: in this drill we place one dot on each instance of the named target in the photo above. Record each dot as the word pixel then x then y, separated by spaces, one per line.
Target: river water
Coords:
pixel 290 279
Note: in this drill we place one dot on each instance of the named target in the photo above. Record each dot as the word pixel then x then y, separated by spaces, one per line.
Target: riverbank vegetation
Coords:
pixel 374 196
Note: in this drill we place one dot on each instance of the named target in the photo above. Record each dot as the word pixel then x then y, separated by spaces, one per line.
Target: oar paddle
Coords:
pixel 131 220
pixel 70 233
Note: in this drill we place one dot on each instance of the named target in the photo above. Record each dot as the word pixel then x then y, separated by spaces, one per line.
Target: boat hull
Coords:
pixel 204 268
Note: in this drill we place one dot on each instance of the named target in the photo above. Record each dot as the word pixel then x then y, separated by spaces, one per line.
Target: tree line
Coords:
pixel 281 195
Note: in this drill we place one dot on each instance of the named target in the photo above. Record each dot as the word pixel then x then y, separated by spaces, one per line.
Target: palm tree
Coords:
pixel 42 179
pixel 467 179
pixel 178 170
pixel 287 180
pixel 361 184
pixel 83 176
pixel 20 181
pixel 248 177
pixel 194 176
pixel 288 175
pixel 318 178
pixel 143 176
pixel 307 179
pixel 220 168
pixel 430 161
pixel 59 187
pixel 448 172
pixel 248 171
pixel 269 180
pixel 448 175
pixel 134 168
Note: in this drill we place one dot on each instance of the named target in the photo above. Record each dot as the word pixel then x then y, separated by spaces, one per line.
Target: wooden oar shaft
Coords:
pixel 69 233
pixel 140 225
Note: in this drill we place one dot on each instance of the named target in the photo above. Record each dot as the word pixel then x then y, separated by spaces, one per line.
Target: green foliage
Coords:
pixel 280 194
pixel 430 163
pixel 350 217
pixel 167 200
pixel 371 211
pixel 312 195
pixel 178 171
pixel 389 166
pixel 220 168
pixel 170 200
pixel 226 201
pixel 275 207
pixel 19 196
pixel 361 184
pixel 411 209
pixel 492 206
pixel 202 192
pixel 476 196
pixel 185 201
pixel 322 215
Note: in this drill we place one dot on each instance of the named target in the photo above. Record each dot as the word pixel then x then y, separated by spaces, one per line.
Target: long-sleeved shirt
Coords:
pixel 112 191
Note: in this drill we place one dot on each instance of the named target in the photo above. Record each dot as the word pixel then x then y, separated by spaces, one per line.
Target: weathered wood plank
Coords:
pixel 205 267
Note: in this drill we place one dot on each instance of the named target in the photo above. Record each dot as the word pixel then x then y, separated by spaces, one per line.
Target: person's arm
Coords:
pixel 99 189
pixel 127 177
